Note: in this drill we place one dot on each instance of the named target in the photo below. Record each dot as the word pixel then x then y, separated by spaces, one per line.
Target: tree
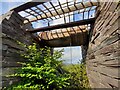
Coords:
pixel 41 71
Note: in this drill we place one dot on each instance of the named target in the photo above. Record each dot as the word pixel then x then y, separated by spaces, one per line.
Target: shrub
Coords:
pixel 41 71
pixel 79 79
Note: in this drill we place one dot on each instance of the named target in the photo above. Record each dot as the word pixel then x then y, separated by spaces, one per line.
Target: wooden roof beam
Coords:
pixel 54 8
pixel 62 32
pixel 65 25
pixel 55 13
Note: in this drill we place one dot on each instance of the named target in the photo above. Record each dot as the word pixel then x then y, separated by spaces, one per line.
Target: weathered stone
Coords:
pixel 12 43
pixel 11 58
pixel 103 69
pixel 4 47
pixel 7 71
pixel 12 31
pixel 10 64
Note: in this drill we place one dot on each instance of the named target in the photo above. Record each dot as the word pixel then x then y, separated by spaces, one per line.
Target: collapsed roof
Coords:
pixel 61 20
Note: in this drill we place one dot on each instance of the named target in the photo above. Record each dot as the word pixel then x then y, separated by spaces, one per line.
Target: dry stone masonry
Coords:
pixel 13 30
pixel 103 53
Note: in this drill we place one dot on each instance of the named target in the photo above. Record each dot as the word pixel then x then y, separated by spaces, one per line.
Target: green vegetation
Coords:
pixel 79 80
pixel 44 71
pixel 41 72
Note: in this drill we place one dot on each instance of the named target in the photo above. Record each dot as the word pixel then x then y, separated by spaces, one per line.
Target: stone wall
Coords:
pixel 13 30
pixel 104 51
pixel 102 55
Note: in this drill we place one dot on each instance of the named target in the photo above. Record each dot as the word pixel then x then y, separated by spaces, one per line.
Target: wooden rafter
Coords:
pixel 55 13
pixel 71 24
pixel 75 5
pixel 52 35
pixel 31 14
pixel 61 7
pixel 35 12
pixel 62 33
pixel 47 9
pixel 58 35
pixel 68 6
pixel 73 29
pixel 54 8
pixel 43 12
pixel 47 36
pixel 73 13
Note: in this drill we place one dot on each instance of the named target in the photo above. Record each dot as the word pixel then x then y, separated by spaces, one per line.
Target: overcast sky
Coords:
pixel 71 54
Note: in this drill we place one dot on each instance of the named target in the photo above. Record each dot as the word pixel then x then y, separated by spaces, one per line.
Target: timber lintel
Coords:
pixel 71 24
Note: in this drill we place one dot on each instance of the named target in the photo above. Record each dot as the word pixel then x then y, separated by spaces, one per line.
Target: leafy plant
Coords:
pixel 79 79
pixel 41 71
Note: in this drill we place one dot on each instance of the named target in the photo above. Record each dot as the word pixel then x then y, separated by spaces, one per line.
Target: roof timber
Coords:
pixel 74 39
pixel 71 24
pixel 68 32
pixel 72 8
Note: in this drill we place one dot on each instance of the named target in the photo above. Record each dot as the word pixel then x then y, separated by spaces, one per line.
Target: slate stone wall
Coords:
pixel 103 55
pixel 13 30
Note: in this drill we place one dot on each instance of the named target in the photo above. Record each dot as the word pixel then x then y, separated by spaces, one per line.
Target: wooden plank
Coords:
pixel 73 13
pixel 58 42
pixel 86 4
pixel 41 16
pixel 49 11
pixel 31 14
pixel 71 24
pixel 67 32
pixel 35 12
pixel 102 4
pixel 54 8
pixel 61 7
pixel 11 28
pixel 68 6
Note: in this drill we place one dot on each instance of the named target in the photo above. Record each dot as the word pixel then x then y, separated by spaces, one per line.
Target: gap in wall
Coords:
pixel 71 55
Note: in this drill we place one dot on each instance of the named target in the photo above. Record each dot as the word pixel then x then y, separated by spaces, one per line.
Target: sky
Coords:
pixel 6 5
pixel 71 54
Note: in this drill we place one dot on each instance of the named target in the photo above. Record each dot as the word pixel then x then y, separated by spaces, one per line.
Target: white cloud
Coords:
pixel 37 24
pixel 57 21
pixel 71 53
